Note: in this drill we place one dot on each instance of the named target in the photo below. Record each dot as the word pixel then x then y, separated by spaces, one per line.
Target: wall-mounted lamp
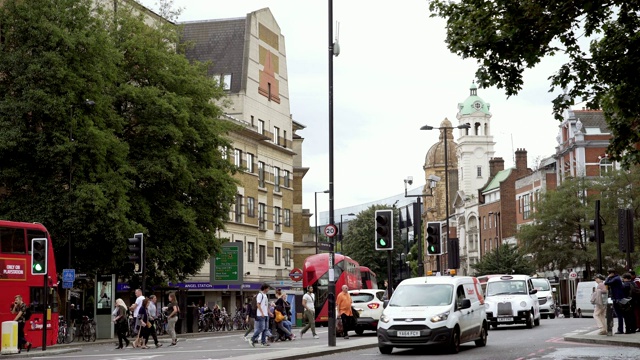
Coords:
pixel 247 273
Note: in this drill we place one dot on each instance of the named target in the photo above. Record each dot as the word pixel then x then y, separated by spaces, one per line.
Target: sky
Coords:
pixel 393 75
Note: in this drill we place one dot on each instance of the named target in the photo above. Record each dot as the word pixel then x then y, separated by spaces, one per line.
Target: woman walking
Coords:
pixel 173 310
pixel 120 321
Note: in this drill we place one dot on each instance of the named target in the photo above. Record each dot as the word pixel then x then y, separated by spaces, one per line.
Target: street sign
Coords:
pixel 325 246
pixel 295 274
pixel 226 266
pixel 573 275
pixel 67 284
pixel 330 230
pixel 68 275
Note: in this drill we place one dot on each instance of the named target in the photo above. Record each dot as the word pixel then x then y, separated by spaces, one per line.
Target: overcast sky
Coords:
pixel 393 75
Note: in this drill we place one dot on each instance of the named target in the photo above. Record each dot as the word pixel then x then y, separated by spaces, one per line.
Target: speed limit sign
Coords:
pixel 330 230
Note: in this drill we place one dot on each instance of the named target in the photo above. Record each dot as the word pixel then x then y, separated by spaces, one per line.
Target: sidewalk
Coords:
pixel 592 337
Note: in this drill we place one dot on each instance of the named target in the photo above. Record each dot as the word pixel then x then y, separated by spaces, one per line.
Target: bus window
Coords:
pixel 12 241
pixel 35 295
pixel 34 234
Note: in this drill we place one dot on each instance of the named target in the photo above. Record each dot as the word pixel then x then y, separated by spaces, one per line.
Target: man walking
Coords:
pixel 153 315
pixel 262 317
pixel 250 312
pixel 308 303
pixel 614 283
pixel 343 305
pixel 135 308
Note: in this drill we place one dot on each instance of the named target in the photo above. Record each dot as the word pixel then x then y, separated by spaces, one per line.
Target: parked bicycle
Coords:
pixel 65 334
pixel 239 320
pixel 88 329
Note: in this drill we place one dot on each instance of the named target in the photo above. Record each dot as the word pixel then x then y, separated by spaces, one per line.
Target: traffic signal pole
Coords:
pixel 332 282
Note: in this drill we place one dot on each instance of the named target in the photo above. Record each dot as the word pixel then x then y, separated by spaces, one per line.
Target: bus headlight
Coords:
pixel 440 317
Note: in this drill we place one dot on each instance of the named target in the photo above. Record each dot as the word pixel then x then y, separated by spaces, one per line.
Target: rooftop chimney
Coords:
pixel 495 165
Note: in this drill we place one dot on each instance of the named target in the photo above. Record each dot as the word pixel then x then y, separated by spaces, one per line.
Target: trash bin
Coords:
pixel 566 310
pixel 9 337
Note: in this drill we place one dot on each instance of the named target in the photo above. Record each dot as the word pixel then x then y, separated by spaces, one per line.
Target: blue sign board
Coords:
pixel 68 275
pixel 67 284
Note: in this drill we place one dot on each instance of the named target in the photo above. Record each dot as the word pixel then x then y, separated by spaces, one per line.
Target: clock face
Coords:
pixel 477 105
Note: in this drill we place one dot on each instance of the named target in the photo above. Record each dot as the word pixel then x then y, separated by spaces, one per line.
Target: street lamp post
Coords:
pixel 341 215
pixel 417 215
pixel 315 214
pixel 446 173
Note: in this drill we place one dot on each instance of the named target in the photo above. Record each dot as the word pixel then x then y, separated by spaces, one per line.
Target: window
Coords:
pixel 461 173
pixel 284 138
pixel 251 207
pixel 226 84
pixel 287 217
pixel 286 178
pixel 238 209
pixel 223 151
pixel 276 178
pixel 276 135
pixel 526 207
pixel 237 155
pixel 261 126
pixel 287 257
pixel 262 253
pixel 278 255
pixel 479 170
pixel 276 219
pixel 262 209
pixel 12 241
pixel 251 250
pixel 260 174
pixel 606 166
pixel 250 163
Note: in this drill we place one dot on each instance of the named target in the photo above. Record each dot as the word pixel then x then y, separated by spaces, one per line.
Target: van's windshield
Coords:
pixel 506 287
pixel 422 295
pixel 541 284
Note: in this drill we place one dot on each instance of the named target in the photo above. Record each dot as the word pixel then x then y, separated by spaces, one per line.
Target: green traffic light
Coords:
pixel 38 267
pixel 382 242
pixel 432 248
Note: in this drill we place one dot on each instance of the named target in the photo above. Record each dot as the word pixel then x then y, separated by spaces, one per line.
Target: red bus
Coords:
pixel 315 272
pixel 369 279
pixel 16 279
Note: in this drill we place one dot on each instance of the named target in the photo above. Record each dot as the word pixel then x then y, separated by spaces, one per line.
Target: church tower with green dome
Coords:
pixel 475 146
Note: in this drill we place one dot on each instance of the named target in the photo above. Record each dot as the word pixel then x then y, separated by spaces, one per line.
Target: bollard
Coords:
pixel 9 337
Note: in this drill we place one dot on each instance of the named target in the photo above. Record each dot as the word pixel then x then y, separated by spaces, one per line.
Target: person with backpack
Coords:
pixel 23 313
pixel 630 291
pixel 250 309
pixel 262 317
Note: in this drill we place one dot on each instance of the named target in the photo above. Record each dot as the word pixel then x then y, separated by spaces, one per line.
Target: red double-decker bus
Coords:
pixel 315 272
pixel 16 279
pixel 369 278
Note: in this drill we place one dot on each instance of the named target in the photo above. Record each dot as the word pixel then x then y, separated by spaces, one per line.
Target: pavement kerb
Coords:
pixel 303 352
pixel 592 337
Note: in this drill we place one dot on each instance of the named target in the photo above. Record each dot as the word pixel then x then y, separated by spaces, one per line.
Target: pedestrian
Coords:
pixel 135 308
pixel 279 319
pixel 600 307
pixel 250 311
pixel 282 301
pixel 172 317
pixel 343 309
pixel 629 314
pixel 20 309
pixel 573 307
pixel 636 309
pixel 616 291
pixel 308 303
pixel 120 321
pixel 262 317
pixel 153 315
pixel 145 323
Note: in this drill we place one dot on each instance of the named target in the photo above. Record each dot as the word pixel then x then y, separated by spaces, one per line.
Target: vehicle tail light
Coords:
pixel 373 306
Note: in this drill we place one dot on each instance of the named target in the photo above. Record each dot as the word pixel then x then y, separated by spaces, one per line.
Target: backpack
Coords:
pixel 27 313
pixel 634 291
pixel 254 303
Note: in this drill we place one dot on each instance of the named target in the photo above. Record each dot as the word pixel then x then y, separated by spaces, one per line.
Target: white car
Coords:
pixel 368 303
pixel 512 299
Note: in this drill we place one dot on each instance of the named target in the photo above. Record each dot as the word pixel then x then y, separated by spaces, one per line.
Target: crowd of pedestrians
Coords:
pixel 625 294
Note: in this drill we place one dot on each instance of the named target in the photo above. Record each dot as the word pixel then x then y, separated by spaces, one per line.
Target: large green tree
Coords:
pixel 507 259
pixel 599 39
pixel 142 155
pixel 556 237
pixel 359 242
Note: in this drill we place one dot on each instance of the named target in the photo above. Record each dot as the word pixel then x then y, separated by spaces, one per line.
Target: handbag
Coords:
pixel 148 324
pixel 279 316
pixel 625 304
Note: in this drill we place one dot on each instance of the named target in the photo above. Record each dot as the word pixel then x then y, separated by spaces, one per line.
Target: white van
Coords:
pixel 545 297
pixel 512 299
pixel 433 310
pixel 583 298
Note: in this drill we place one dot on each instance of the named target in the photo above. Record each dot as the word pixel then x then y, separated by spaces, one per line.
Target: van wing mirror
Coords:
pixel 385 303
pixel 533 291
pixel 466 303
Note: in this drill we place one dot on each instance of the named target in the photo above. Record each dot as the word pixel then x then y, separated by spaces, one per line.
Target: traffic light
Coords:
pixel 39 252
pixel 433 238
pixel 596 234
pixel 136 252
pixel 384 229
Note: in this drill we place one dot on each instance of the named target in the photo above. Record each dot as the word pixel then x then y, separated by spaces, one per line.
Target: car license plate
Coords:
pixel 408 333
pixel 505 319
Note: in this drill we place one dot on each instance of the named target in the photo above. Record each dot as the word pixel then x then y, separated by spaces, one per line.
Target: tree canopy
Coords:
pixel 599 39
pixel 506 259
pixel 106 129
pixel 359 242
